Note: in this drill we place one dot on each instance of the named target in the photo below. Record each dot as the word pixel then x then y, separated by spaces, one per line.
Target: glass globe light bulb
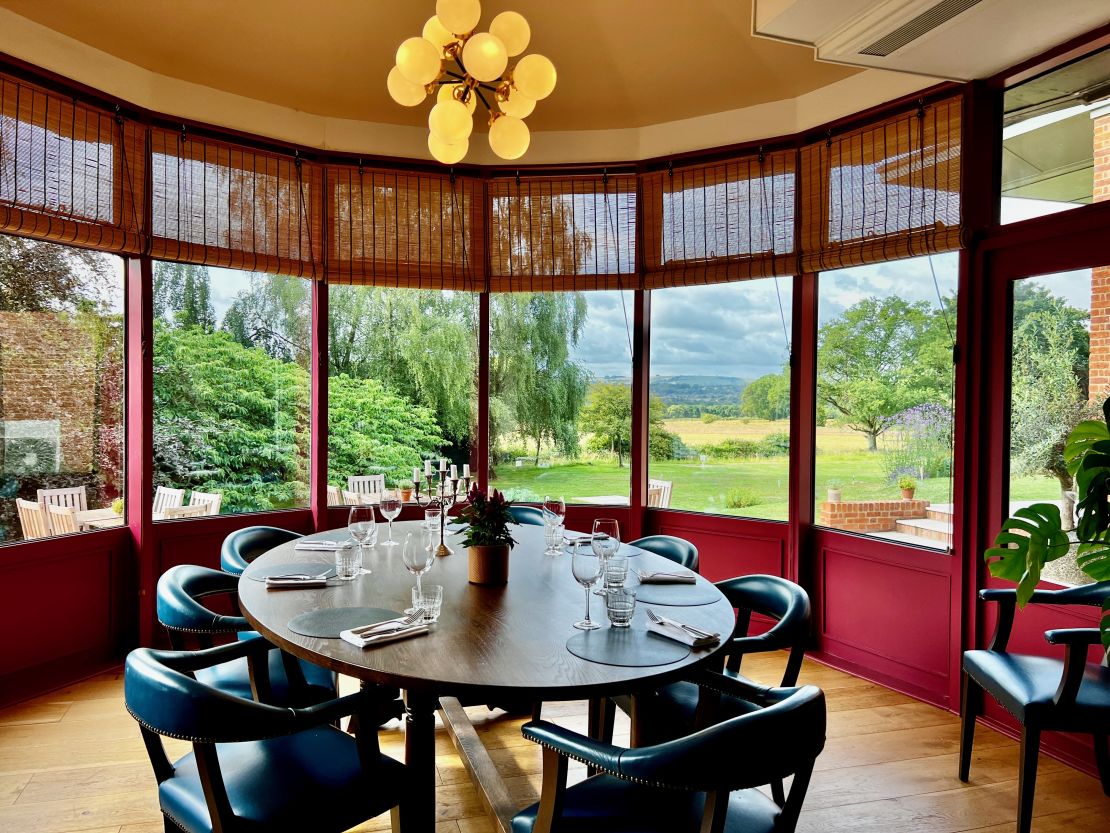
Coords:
pixel 419 61
pixel 509 137
pixel 447 93
pixel 437 33
pixel 485 57
pixel 403 91
pixel 517 105
pixel 513 30
pixel 450 121
pixel 534 76
pixel 445 153
pixel 459 16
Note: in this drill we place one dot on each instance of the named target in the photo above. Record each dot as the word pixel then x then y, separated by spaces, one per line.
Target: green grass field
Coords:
pixel 841 455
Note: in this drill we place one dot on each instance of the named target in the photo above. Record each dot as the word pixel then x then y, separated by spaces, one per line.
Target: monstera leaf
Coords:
pixel 1028 540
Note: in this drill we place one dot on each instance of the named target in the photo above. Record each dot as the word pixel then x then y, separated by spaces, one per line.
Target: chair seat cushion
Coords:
pixel 234 678
pixel 605 804
pixel 1024 685
pixel 308 781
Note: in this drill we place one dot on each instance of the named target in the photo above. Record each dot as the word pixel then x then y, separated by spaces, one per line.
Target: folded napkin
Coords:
pixel 571 537
pixel 663 577
pixel 287 582
pixel 318 545
pixel 382 633
pixel 695 637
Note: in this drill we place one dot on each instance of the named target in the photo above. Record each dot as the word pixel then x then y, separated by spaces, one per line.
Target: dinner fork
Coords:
pixel 305 576
pixel 402 622
pixel 660 620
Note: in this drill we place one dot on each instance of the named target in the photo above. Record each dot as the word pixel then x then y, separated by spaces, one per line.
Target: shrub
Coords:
pixel 740 498
pixel 730 449
pixel 662 445
pixel 774 445
pixel 707 418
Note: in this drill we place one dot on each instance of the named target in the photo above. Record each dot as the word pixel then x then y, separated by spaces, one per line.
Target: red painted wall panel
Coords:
pixel 727 546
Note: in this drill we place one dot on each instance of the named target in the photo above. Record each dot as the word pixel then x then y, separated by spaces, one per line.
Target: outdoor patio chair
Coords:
pixel 61 520
pixel 659 493
pixel 335 496
pixel 367 484
pixel 32 519
pixel 73 497
pixel 178 512
pixel 165 497
pixel 210 500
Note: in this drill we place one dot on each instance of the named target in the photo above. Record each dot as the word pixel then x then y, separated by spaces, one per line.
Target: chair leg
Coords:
pixel 1027 776
pixel 971 707
pixel 778 794
pixel 537 710
pixel 1102 759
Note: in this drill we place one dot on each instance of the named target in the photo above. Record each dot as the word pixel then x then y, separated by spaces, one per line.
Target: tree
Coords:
pixel 41 277
pixel 274 314
pixel 767 397
pixel 882 356
pixel 182 295
pixel 607 415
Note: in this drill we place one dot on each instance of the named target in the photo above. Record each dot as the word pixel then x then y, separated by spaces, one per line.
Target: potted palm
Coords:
pixel 907 485
pixel 1035 535
pixel 488 539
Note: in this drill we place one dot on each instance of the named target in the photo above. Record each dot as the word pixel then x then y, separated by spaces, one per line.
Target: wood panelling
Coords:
pixel 727 546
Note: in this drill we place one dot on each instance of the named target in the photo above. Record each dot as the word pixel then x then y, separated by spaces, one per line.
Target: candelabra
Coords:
pixel 446 496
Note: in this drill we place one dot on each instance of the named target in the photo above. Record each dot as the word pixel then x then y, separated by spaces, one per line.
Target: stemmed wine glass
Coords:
pixel 417 560
pixel 554 510
pixel 606 540
pixel 585 566
pixel 391 507
pixel 362 524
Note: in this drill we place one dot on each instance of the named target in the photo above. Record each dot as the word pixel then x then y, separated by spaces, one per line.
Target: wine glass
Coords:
pixel 390 507
pixel 557 507
pixel 605 541
pixel 417 560
pixel 362 524
pixel 554 510
pixel 585 566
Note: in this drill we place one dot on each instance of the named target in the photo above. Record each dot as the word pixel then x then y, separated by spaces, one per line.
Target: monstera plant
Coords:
pixel 1034 535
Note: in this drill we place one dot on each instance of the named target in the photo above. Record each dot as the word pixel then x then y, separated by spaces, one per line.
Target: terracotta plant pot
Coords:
pixel 406 495
pixel 489 565
pixel 907 494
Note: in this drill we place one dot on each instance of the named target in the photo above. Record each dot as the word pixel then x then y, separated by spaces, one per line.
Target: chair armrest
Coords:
pixel 1073 636
pixel 738 687
pixel 1076 641
pixel 603 756
pixel 197 660
pixel 324 713
pixel 1084 594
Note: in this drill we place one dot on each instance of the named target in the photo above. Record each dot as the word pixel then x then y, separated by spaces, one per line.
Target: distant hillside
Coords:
pixel 693 390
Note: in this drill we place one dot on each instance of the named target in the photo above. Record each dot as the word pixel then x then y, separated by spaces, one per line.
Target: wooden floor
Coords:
pixel 73 761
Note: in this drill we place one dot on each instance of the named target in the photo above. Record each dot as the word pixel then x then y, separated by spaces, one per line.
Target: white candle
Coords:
pixel 466 470
pixel 415 474
pixel 427 467
pixel 443 464
pixel 454 472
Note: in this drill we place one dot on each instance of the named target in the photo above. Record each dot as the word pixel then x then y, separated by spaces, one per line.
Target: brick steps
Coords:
pixel 934 529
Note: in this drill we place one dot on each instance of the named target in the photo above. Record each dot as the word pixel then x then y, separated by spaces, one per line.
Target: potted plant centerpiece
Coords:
pixel 907 484
pixel 488 539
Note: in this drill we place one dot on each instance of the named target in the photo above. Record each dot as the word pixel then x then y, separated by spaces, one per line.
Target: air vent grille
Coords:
pixel 924 23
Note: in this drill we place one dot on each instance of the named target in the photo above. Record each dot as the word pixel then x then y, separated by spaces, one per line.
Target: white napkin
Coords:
pixel 673 630
pixel 285 583
pixel 664 577
pixel 571 537
pixel 386 634
pixel 318 545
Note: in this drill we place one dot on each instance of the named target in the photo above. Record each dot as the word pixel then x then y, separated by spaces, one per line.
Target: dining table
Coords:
pixel 491 644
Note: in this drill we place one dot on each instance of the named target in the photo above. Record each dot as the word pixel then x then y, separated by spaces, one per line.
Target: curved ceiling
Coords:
pixel 621 63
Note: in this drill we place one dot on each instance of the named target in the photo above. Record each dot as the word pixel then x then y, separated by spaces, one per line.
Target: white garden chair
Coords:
pixel 176 512
pixel 73 497
pixel 210 500
pixel 335 496
pixel 165 498
pixel 659 493
pixel 367 484
pixel 61 519
pixel 32 519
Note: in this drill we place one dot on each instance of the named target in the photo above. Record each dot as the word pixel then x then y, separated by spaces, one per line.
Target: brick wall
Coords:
pixel 1100 277
pixel 870 515
pixel 48 371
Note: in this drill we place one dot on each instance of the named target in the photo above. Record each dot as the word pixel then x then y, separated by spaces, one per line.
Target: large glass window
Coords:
pixel 231 383
pixel 1056 133
pixel 720 394
pixel 884 399
pixel 1059 376
pixel 402 384
pixel 561 395
pixel 61 389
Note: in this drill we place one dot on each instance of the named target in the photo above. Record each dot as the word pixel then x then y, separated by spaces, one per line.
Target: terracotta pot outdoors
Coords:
pixel 907 494
pixel 406 495
pixel 489 565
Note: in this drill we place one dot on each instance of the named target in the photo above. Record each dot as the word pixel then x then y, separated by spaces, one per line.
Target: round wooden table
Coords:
pixel 491 644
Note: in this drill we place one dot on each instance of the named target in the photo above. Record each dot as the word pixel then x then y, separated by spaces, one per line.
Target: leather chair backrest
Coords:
pixel 179 590
pixel 529 515
pixel 678 550
pixel 771 596
pixel 165 699
pixel 242 546
pixel 788 729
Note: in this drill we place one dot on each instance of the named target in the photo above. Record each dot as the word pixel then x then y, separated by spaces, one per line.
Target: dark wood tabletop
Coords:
pixel 505 641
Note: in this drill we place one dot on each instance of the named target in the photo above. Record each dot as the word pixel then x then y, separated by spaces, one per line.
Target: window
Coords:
pixel 561 395
pixel 1054 127
pixel 402 384
pixel 231 385
pixel 1059 375
pixel 720 394
pixel 61 388
pixel 884 399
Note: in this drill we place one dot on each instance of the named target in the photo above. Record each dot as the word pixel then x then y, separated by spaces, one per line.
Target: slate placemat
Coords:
pixel 327 623
pixel 677 595
pixel 629 647
pixel 310 568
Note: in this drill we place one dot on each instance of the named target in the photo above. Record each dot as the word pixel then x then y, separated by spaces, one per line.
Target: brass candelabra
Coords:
pixel 445 495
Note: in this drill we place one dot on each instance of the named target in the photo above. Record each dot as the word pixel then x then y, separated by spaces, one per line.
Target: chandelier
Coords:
pixel 462 67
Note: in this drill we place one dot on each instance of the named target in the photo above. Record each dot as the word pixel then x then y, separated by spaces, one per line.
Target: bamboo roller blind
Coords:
pixel 69 172
pixel 722 222
pixel 227 205
pixel 393 228
pixel 551 234
pixel 887 191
